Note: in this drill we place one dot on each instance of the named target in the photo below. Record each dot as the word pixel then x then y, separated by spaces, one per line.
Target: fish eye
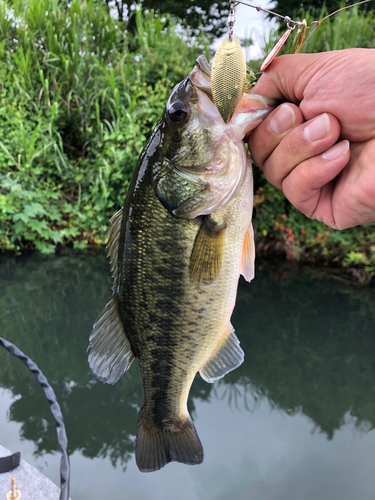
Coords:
pixel 178 112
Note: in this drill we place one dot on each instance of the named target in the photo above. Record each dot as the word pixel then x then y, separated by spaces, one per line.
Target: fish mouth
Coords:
pixel 251 109
pixel 203 65
pixel 200 76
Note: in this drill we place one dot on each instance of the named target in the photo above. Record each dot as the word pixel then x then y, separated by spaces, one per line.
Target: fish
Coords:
pixel 176 250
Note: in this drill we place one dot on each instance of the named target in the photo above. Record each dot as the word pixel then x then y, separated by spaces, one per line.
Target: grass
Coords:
pixel 79 96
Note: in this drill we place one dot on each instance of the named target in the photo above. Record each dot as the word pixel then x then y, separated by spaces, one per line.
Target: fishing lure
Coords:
pixel 298 39
pixel 228 75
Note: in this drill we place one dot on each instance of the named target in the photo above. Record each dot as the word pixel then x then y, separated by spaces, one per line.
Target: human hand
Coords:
pixel 334 96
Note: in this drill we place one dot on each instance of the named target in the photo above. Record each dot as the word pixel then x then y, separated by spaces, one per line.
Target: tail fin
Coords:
pixel 157 447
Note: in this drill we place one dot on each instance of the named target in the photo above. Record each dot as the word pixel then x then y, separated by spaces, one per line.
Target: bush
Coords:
pixel 79 96
pixel 78 99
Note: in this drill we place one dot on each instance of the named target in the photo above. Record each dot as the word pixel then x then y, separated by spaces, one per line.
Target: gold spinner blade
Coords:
pixel 228 77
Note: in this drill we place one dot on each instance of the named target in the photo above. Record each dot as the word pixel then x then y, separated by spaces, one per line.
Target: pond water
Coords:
pixel 295 421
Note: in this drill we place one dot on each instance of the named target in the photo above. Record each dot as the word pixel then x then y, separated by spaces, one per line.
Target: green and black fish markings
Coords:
pixel 176 250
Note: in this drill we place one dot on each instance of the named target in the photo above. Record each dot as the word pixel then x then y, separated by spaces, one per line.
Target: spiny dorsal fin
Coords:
pixel 112 246
pixel 248 255
pixel 205 260
pixel 226 357
pixel 110 351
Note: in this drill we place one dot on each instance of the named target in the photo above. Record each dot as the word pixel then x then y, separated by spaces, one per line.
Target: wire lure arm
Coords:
pixel 230 77
pixel 298 42
pixel 287 19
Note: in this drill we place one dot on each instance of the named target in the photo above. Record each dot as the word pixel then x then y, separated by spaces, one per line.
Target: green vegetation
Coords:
pixel 211 15
pixel 78 98
pixel 294 7
pixel 80 95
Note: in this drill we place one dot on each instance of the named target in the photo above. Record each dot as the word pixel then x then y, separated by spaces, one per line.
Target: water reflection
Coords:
pixel 308 341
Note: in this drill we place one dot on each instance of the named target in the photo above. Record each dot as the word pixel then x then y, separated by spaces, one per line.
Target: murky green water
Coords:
pixel 294 422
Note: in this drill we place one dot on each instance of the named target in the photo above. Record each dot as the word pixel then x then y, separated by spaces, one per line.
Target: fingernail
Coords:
pixel 318 129
pixel 282 120
pixel 336 151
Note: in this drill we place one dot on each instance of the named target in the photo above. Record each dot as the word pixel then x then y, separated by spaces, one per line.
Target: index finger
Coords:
pixel 288 75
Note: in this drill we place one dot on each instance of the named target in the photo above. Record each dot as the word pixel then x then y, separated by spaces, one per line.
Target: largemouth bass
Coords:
pixel 177 249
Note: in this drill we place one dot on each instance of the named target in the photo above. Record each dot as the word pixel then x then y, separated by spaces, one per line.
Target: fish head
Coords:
pixel 190 121
pixel 206 155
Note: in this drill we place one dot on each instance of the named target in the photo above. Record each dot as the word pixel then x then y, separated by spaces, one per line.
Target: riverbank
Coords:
pixel 81 95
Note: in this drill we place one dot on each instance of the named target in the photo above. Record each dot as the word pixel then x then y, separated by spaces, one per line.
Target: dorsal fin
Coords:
pixel 112 246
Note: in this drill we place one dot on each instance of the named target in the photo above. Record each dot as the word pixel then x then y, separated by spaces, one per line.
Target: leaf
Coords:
pixel 33 209
pixel 56 236
pixel 21 217
pixel 80 245
pixel 38 225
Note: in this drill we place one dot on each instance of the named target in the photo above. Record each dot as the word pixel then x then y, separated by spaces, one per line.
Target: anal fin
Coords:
pixel 227 356
pixel 110 351
pixel 248 255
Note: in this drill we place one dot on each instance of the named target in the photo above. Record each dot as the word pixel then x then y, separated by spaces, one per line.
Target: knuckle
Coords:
pixel 256 150
pixel 271 172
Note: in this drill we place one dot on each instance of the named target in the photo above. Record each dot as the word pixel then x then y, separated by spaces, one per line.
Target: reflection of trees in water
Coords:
pixel 240 395
pixel 47 308
pixel 100 421
pixel 309 348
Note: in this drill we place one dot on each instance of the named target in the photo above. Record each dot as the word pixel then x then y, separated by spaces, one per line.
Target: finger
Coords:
pixel 288 76
pixel 267 136
pixel 308 186
pixel 353 199
pixel 301 143
pixel 314 82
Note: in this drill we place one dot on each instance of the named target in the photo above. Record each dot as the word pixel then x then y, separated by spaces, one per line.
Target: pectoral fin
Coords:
pixel 206 257
pixel 248 255
pixel 226 357
pixel 110 351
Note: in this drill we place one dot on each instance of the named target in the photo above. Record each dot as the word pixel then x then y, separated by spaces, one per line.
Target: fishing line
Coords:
pixel 55 410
